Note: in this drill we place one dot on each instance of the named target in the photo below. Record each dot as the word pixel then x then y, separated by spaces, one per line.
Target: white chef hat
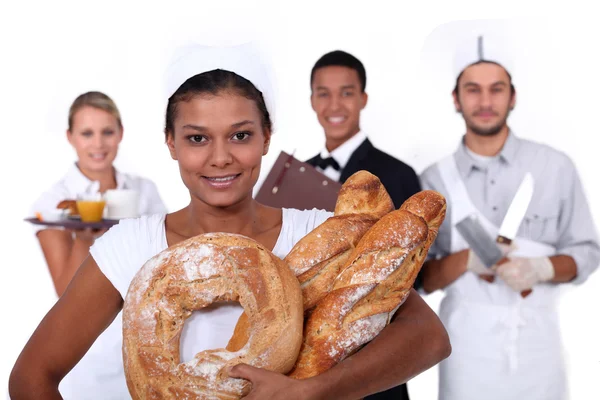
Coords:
pixel 245 60
pixel 485 47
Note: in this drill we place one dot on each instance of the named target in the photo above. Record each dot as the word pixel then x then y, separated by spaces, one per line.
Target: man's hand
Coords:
pixel 475 265
pixel 267 385
pixel 522 273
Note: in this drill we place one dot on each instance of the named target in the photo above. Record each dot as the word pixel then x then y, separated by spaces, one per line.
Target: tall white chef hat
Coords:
pixel 485 47
pixel 246 60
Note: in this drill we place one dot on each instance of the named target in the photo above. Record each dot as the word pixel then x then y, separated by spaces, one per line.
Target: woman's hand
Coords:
pixel 88 234
pixel 267 385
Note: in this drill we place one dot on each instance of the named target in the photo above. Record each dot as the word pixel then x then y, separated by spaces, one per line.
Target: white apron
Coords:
pixel 504 346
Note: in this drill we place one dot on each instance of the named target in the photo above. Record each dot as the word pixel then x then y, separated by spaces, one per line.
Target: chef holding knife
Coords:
pixel 502 318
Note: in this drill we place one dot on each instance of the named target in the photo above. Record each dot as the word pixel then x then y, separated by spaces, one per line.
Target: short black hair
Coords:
pixel 512 87
pixel 339 58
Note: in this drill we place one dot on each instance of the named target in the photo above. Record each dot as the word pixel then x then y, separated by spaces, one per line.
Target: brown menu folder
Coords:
pixel 295 184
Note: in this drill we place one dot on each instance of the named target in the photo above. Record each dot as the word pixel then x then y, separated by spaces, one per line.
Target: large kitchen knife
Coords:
pixel 482 244
pixel 516 211
pixel 479 240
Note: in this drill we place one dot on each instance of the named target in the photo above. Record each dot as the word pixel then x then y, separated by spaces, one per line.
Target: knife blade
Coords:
pixel 482 244
pixel 514 216
pixel 516 211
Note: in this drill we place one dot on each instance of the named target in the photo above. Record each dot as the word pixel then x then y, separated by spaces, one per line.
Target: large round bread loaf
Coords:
pixel 194 274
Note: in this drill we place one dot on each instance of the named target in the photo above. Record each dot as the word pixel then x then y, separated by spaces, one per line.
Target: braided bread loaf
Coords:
pixel 375 280
pixel 189 276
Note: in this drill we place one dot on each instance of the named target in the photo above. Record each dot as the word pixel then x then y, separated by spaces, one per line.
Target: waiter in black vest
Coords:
pixel 338 82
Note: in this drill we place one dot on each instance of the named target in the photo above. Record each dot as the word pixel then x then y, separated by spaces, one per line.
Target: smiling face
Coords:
pixel 484 98
pixel 218 141
pixel 95 135
pixel 337 99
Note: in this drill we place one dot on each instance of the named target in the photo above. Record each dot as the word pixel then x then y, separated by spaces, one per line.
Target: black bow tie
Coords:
pixel 323 163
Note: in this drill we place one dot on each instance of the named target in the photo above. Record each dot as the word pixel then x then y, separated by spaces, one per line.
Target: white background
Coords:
pixel 53 51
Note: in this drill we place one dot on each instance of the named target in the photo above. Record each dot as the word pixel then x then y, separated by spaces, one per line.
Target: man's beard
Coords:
pixel 487 131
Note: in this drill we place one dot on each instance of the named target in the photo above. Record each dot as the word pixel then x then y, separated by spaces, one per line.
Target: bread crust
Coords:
pixel 70 205
pixel 194 274
pixel 373 283
pixel 318 257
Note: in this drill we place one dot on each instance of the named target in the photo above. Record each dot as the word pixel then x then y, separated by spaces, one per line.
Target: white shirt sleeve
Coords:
pixel 296 224
pixel 124 249
pixel 46 202
pixel 316 218
pixel 306 221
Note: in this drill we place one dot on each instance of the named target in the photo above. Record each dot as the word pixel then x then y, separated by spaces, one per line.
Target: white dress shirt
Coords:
pixel 342 155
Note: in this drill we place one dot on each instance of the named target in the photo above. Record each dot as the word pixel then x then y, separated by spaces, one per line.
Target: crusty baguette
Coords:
pixel 374 282
pixel 190 276
pixel 431 206
pixel 363 193
pixel 317 258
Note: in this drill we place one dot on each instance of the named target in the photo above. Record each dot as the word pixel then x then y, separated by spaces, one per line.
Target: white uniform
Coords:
pixel 499 339
pixel 97 375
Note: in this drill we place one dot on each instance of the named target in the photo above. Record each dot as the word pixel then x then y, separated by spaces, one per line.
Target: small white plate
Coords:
pixel 53 215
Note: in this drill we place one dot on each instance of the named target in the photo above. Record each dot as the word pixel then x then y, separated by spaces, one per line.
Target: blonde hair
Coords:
pixel 96 100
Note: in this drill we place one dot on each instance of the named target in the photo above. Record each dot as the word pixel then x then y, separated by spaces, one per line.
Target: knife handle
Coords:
pixel 503 240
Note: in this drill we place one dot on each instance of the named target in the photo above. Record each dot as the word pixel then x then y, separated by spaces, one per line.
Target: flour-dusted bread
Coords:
pixel 317 258
pixel 374 281
pixel 189 276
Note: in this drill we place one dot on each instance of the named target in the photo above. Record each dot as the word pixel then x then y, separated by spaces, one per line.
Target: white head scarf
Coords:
pixel 486 47
pixel 245 60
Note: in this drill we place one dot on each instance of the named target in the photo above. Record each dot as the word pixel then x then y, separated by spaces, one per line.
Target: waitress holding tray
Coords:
pixel 95 132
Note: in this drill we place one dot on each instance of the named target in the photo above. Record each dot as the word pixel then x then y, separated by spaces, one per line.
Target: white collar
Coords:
pixel 79 183
pixel 343 153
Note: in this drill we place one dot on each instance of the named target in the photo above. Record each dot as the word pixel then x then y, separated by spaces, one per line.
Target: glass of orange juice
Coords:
pixel 91 210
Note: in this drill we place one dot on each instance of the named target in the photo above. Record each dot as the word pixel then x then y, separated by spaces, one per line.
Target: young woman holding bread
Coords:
pixel 218 128
pixel 95 131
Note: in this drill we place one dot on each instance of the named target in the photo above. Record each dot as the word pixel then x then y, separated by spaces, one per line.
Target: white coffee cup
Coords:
pixel 121 203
